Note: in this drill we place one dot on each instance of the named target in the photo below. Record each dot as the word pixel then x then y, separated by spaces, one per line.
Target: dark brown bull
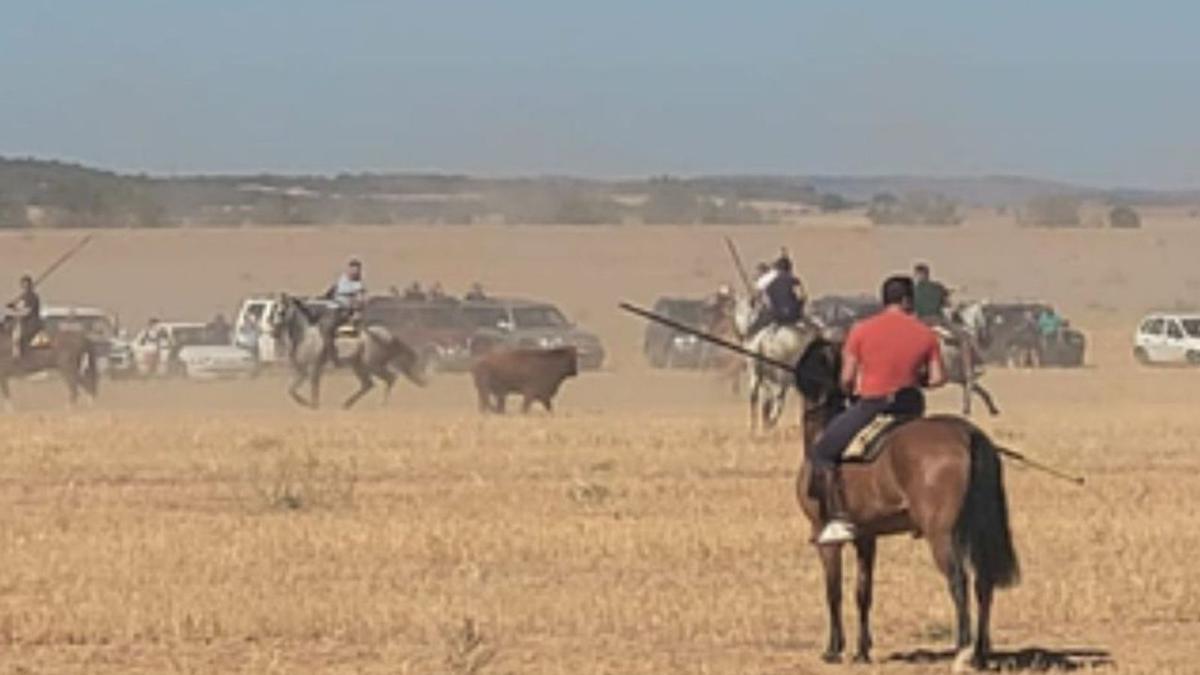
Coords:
pixel 535 374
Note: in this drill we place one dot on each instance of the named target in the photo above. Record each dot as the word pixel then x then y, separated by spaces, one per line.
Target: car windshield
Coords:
pixel 486 317
pixel 542 316
pixel 96 326
pixel 1191 327
pixel 687 312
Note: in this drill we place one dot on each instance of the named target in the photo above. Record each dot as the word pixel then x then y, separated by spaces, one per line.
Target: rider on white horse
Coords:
pixel 782 298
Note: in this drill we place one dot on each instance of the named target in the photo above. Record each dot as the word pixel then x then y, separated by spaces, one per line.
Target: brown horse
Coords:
pixel 938 478
pixel 70 353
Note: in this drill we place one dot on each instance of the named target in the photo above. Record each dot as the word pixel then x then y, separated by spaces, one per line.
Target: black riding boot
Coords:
pixel 838 528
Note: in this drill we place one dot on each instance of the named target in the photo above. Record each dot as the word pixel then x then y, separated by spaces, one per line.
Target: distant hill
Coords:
pixel 41 193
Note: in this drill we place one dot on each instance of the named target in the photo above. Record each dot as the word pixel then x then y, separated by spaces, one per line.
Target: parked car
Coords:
pixel 528 323
pixel 1168 338
pixel 115 357
pixel 837 313
pixel 1013 338
pixel 437 330
pixel 665 347
pixel 189 349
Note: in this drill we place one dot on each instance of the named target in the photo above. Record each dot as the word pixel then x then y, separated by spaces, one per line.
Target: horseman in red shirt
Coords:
pixel 885 362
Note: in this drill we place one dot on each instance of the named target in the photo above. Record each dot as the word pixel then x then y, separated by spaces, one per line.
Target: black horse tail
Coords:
pixel 982 530
pixel 409 362
pixel 89 373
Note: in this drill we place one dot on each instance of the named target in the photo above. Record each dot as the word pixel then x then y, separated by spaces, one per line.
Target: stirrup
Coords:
pixel 837 531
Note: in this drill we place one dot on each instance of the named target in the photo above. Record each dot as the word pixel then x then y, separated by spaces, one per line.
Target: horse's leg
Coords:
pixel 314 387
pixel 365 384
pixel 754 392
pixel 71 379
pixel 298 378
pixel 983 640
pixel 780 404
pixel 865 548
pixel 968 372
pixel 951 565
pixel 389 381
pixel 6 394
pixel 526 404
pixel 501 402
pixel 986 397
pixel 831 561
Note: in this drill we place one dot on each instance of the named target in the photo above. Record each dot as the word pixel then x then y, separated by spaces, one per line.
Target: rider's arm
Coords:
pixel 935 373
pixel 849 376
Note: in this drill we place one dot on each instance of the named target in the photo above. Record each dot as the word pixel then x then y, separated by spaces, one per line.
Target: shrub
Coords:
pixel 1124 217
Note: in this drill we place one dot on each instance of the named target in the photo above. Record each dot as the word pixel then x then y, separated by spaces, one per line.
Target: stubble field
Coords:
pixel 192 527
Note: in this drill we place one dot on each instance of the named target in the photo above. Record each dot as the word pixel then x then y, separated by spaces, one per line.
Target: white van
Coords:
pixel 1164 338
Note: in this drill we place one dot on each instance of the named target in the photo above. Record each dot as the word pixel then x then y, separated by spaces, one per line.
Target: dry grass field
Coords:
pixel 212 527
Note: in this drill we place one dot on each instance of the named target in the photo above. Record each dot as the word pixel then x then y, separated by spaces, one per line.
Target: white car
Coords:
pixel 1168 338
pixel 190 349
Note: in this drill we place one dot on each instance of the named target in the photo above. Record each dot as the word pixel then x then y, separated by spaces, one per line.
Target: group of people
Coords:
pixel 887 362
pixel 436 293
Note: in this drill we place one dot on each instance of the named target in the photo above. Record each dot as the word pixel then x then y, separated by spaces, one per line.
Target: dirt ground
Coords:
pixel 213 527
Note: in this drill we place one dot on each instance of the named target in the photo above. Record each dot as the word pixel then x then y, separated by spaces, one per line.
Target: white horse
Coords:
pixel 769 384
pixel 961 342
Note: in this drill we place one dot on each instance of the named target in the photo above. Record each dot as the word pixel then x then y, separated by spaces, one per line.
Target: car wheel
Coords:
pixel 1193 358
pixel 1141 355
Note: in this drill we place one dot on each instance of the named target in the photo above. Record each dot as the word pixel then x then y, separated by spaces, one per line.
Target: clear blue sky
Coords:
pixel 1093 91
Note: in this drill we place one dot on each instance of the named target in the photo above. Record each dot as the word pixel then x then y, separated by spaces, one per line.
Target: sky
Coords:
pixel 1096 92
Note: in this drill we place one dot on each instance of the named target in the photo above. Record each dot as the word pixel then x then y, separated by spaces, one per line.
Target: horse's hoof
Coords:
pixel 964 661
pixel 831 657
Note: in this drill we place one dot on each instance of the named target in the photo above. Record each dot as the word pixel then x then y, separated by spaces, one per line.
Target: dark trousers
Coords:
pixel 842 429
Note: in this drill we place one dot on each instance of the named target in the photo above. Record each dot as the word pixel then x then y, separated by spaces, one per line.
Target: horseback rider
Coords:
pixel 930 298
pixel 885 362
pixel 782 295
pixel 349 296
pixel 27 311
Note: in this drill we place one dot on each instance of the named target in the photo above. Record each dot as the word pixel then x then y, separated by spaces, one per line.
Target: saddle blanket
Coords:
pixel 866 445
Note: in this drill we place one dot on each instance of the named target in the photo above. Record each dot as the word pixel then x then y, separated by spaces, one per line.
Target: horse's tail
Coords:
pixel 89 373
pixel 982 529
pixel 406 360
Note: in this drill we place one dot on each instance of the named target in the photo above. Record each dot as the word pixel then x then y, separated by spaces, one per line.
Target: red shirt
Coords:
pixel 891 348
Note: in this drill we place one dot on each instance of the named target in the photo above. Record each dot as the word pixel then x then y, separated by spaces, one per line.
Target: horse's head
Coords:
pixel 286 313
pixel 745 310
pixel 817 374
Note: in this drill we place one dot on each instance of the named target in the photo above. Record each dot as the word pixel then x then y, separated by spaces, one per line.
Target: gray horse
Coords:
pixel 306 332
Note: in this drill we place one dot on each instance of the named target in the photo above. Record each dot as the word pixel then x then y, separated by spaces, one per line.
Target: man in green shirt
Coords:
pixel 929 296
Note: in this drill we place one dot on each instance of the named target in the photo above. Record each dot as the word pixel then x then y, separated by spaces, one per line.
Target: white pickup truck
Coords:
pixel 189 349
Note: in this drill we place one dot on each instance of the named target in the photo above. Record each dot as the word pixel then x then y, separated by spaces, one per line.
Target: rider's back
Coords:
pixel 891 348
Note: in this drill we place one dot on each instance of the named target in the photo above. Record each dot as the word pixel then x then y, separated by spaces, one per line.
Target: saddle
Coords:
pixel 348 330
pixel 865 446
